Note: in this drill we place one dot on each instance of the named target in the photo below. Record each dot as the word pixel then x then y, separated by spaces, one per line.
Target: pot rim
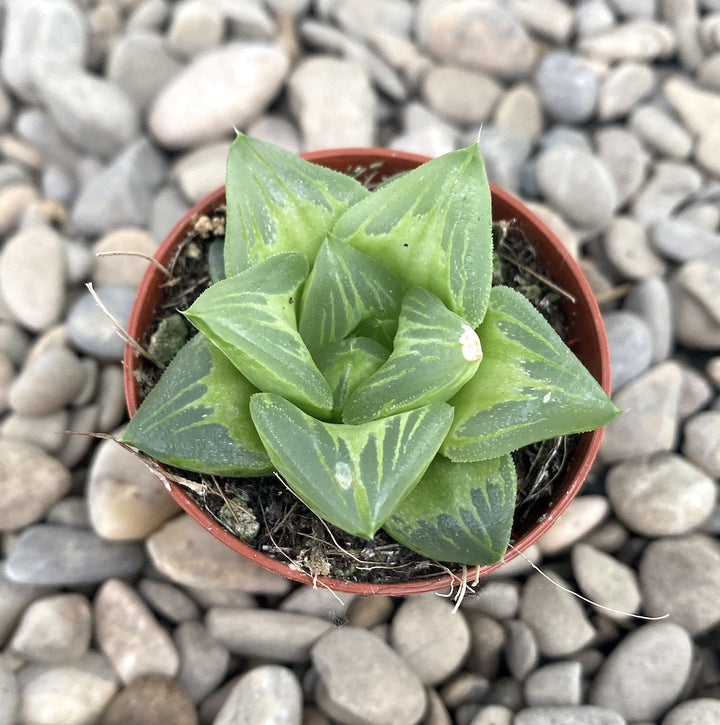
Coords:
pixel 595 344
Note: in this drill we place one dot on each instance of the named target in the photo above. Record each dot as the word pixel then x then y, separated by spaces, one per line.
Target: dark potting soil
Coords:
pixel 263 511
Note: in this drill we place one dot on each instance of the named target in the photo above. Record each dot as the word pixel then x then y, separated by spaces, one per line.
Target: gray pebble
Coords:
pixel 650 299
pixel 194 28
pixel 45 431
pixel 670 184
pixel 661 132
pixel 9 696
pixel 168 206
pixel 168 600
pixel 120 194
pixel 568 87
pixel 555 616
pixel 361 680
pixel 696 300
pixel 583 715
pixel 269 693
pixel 699 711
pixel 625 158
pixel 14 598
pixel 69 511
pixel 628 249
pixel 223 87
pixel 519 110
pixel 200 172
pixel 487 641
pixel 635 8
pixel 122 270
pixel 645 673
pixel 38 129
pixel 281 636
pixel 556 684
pixel 318 602
pixel 14 342
pixel 58 184
pixel 682 241
pixel 550 19
pixel 580 518
pixel 276 129
pixel 493 715
pixel 639 40
pixel 701 441
pixel 149 15
pixel 32 277
pixel 370 612
pixel 630 342
pixel 498 599
pixel 623 88
pixel 362 17
pixel 696 392
pixel 649 422
pixel 204 661
pixel 54 629
pixel 681 577
pixel 505 152
pixel 697 108
pixel 50 554
pixel 578 185
pixel 521 649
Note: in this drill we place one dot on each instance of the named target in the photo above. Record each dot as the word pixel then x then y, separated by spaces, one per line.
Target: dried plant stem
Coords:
pixel 541 277
pixel 142 255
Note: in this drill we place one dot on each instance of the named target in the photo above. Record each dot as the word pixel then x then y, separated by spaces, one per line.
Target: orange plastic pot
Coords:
pixel 586 337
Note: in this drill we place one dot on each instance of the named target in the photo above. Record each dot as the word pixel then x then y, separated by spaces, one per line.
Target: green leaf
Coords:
pixel 530 386
pixel 382 331
pixel 459 512
pixel 346 364
pixel 351 475
pixel 433 228
pixel 251 318
pixel 344 288
pixel 278 202
pixel 197 417
pixel 436 352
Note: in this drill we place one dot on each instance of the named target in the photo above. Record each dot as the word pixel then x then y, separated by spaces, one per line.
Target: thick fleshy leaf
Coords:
pixel 530 386
pixel 197 417
pixel 436 352
pixel 251 318
pixel 433 228
pixel 346 364
pixel 278 202
pixel 344 288
pixel 459 512
pixel 351 475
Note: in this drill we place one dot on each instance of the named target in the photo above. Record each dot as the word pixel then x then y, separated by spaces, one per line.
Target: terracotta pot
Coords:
pixel 586 338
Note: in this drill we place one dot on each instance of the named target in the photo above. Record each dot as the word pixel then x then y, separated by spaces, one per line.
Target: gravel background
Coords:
pixel 115 116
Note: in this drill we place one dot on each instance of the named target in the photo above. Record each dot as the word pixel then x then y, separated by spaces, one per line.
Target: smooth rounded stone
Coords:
pixel 498 599
pixel 46 431
pixel 649 422
pixel 125 270
pixel 487 640
pixel 74 693
pixel 701 441
pixel 563 231
pixel 93 113
pixel 204 661
pixel 187 554
pixel 521 650
pixel 23 465
pixel 550 19
pixel 150 699
pixel 697 392
pixel 568 87
pixel 464 96
pixel 627 247
pixel 402 55
pixel 13 201
pixel 660 132
pixel 650 299
pixel 362 680
pixel 318 602
pixel 48 382
pixel 463 689
pixel 625 158
pixel 695 288
pixel 493 715
pixel 645 673
pixel 556 617
pixel 54 629
pixel 14 598
pixel 140 64
pixel 370 612
pixel 38 129
pixel 126 500
pixel 201 171
pixel 581 715
pixel 435 714
pixel 681 577
pixel 698 108
pixel 58 184
pixel 505 152
pixel 682 241
pixel 670 184
pixel 638 40
pixel 556 684
pixel 430 637
pixel 277 130
pixel 42 40
pixel 606 581
pixel 50 554
pixel 479 34
pixel 288 7
pixel 699 711
pixel 168 207
pixel 333 102
pixel 130 635
pixel 362 17
pixel 635 8
pixel 280 636
pixel 630 342
pixel 707 152
pixel 266 694
pixel 121 194
pixel 582 516
pixel 578 184
pixel 208 597
pixel 624 86
pixel 32 277
pixel 708 72
pixel 519 110
pixel 195 27
pixel 110 398
pixel 69 511
pixel 7 375
pixel 168 601
pixel 9 696
pixel 220 89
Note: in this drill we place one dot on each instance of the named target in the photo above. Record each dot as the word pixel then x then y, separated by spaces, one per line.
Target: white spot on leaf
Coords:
pixel 470 344
pixel 343 475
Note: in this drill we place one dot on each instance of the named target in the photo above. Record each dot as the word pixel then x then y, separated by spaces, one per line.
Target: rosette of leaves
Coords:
pixel 356 346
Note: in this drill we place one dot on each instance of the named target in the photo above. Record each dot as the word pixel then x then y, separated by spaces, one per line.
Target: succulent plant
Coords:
pixel 356 346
